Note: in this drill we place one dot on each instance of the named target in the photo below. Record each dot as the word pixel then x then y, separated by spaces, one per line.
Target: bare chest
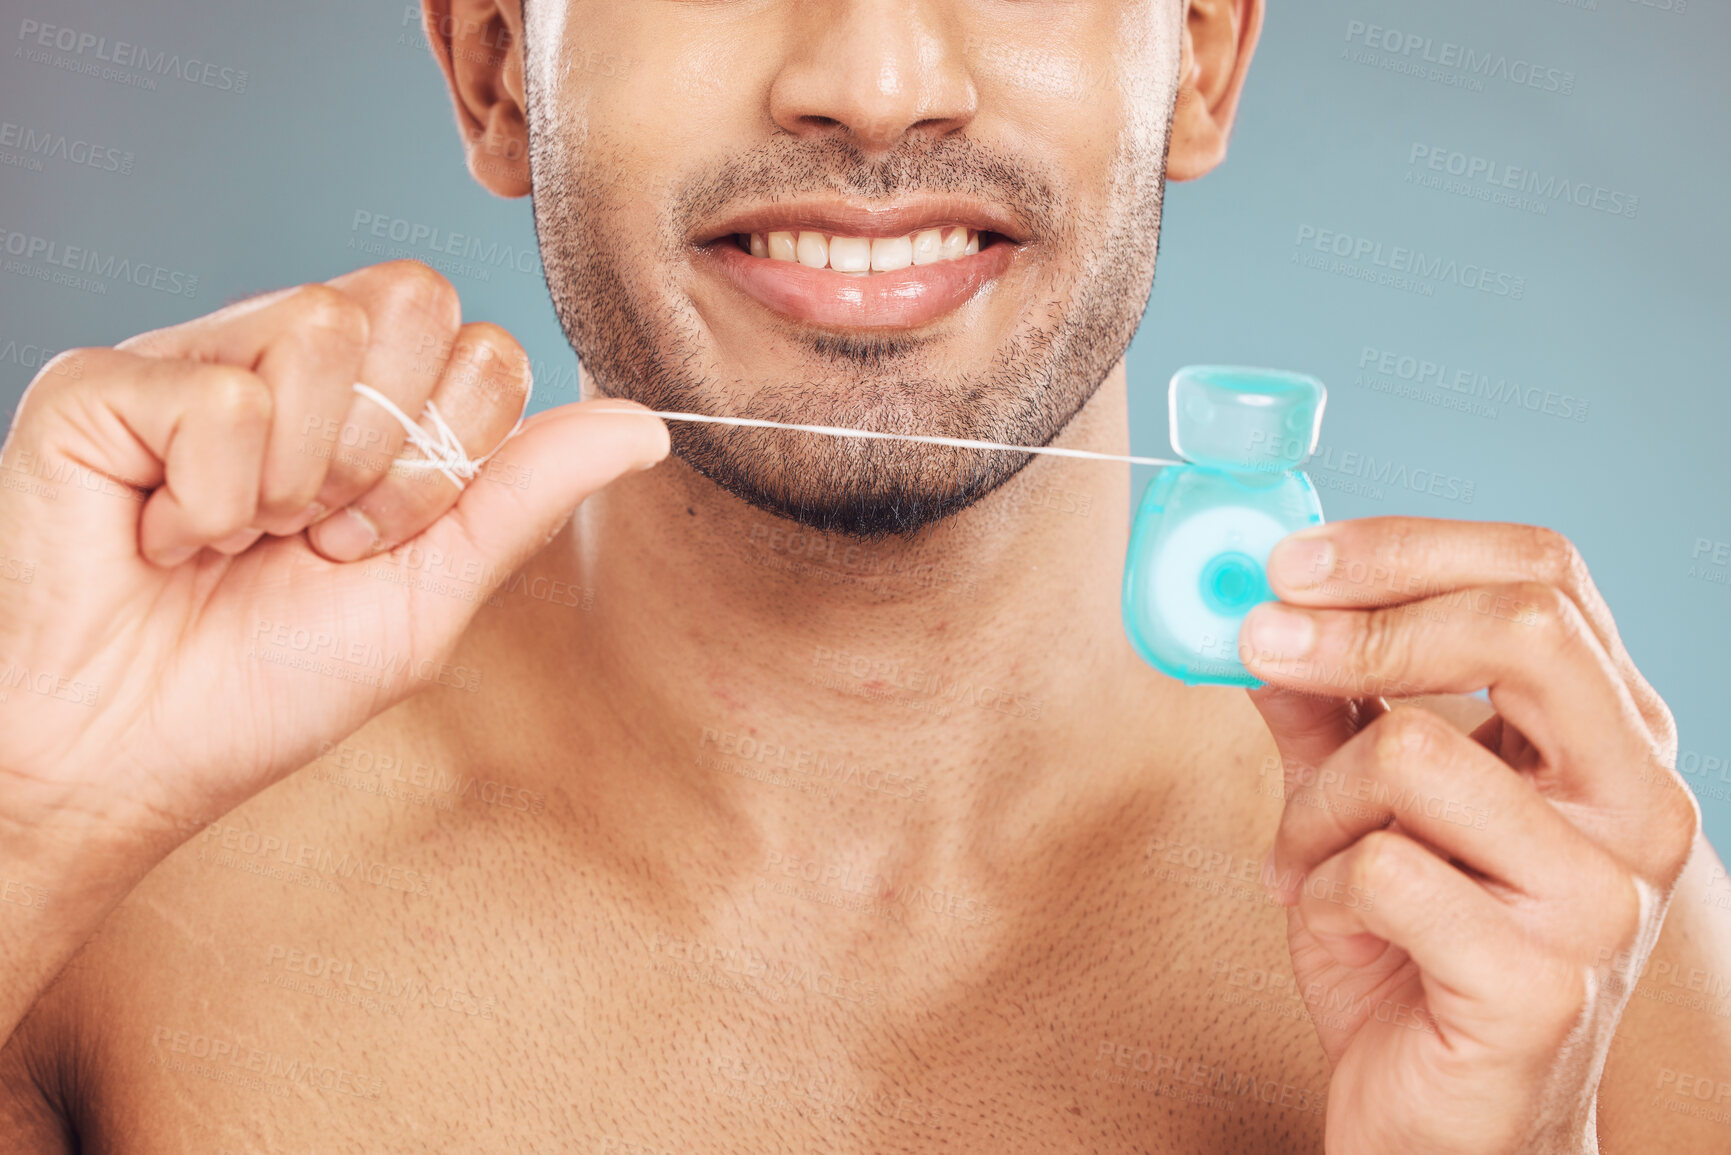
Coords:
pixel 493 995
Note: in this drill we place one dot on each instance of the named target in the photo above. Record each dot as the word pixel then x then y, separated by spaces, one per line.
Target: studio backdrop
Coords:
pixel 1495 228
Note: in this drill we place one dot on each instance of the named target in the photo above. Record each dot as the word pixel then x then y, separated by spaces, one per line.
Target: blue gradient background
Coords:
pixel 345 113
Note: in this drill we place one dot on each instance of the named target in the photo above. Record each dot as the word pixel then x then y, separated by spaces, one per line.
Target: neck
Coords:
pixel 802 685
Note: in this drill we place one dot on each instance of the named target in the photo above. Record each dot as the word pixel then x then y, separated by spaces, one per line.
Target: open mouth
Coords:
pixel 863 256
pixel 837 264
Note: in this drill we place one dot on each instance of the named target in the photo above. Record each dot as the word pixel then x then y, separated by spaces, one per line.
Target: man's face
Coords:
pixel 933 216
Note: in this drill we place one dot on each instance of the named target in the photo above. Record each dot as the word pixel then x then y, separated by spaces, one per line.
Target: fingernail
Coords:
pixel 1301 563
pixel 349 537
pixel 1276 632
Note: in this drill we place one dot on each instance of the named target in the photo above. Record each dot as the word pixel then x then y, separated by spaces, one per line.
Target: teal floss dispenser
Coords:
pixel 1199 548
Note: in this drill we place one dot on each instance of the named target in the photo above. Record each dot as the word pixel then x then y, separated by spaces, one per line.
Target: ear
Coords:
pixel 479 45
pixel 1219 40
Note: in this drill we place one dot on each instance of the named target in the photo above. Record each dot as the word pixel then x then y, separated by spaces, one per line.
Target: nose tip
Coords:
pixel 873 74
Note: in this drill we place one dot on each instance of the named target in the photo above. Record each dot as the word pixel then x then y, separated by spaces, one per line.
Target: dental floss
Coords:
pixel 1199 547
pixel 924 439
pixel 446 455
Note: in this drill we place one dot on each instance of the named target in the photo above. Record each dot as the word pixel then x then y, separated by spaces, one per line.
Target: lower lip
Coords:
pixel 900 300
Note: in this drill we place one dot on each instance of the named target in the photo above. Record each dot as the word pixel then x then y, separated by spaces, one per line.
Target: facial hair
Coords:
pixel 638 338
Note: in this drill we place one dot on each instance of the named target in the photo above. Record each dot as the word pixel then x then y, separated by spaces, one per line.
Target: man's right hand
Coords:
pixel 159 496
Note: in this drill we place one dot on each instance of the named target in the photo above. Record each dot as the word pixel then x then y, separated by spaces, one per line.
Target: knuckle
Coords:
pixel 236 397
pixel 501 365
pixel 1554 557
pixel 1380 644
pixel 1662 722
pixel 220 511
pixel 1408 733
pixel 495 343
pixel 67 365
pixel 1546 608
pixel 1402 545
pixel 329 310
pixel 60 374
pixel 1679 821
pixel 1386 864
pixel 418 288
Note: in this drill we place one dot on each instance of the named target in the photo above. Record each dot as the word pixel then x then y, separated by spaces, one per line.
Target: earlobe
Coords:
pixel 1219 39
pixel 479 47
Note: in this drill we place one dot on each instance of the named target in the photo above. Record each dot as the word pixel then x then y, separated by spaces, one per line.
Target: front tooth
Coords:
pixel 850 254
pixel 973 243
pixel 812 250
pixel 758 247
pixel 783 248
pixel 890 254
pixel 955 242
pixel 928 246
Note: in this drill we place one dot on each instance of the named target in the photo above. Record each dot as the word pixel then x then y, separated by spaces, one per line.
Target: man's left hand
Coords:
pixel 1456 900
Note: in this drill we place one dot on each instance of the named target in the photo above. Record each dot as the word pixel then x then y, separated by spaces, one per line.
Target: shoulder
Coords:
pixel 196 934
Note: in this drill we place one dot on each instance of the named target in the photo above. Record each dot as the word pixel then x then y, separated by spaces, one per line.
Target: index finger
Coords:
pixel 1386 561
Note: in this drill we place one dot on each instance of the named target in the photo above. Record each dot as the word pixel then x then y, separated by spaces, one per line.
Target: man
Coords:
pixel 797 794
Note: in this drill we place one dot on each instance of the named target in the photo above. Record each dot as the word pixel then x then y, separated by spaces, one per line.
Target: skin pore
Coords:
pixel 1059 112
pixel 798 795
pixel 650 320
pixel 1006 596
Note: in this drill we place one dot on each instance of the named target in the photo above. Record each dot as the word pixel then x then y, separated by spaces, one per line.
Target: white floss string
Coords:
pixel 447 456
pixel 922 438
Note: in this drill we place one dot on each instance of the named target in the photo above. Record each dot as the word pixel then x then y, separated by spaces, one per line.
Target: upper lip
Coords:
pixel 859 218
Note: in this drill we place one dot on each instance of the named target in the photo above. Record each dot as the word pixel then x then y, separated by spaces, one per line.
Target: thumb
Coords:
pixel 539 476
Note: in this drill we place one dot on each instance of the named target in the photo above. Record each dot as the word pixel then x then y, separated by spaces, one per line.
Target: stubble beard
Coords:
pixel 644 342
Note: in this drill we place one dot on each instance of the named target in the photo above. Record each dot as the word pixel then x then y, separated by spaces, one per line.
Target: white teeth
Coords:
pixel 813 250
pixel 850 254
pixel 892 253
pixel 928 246
pixel 861 255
